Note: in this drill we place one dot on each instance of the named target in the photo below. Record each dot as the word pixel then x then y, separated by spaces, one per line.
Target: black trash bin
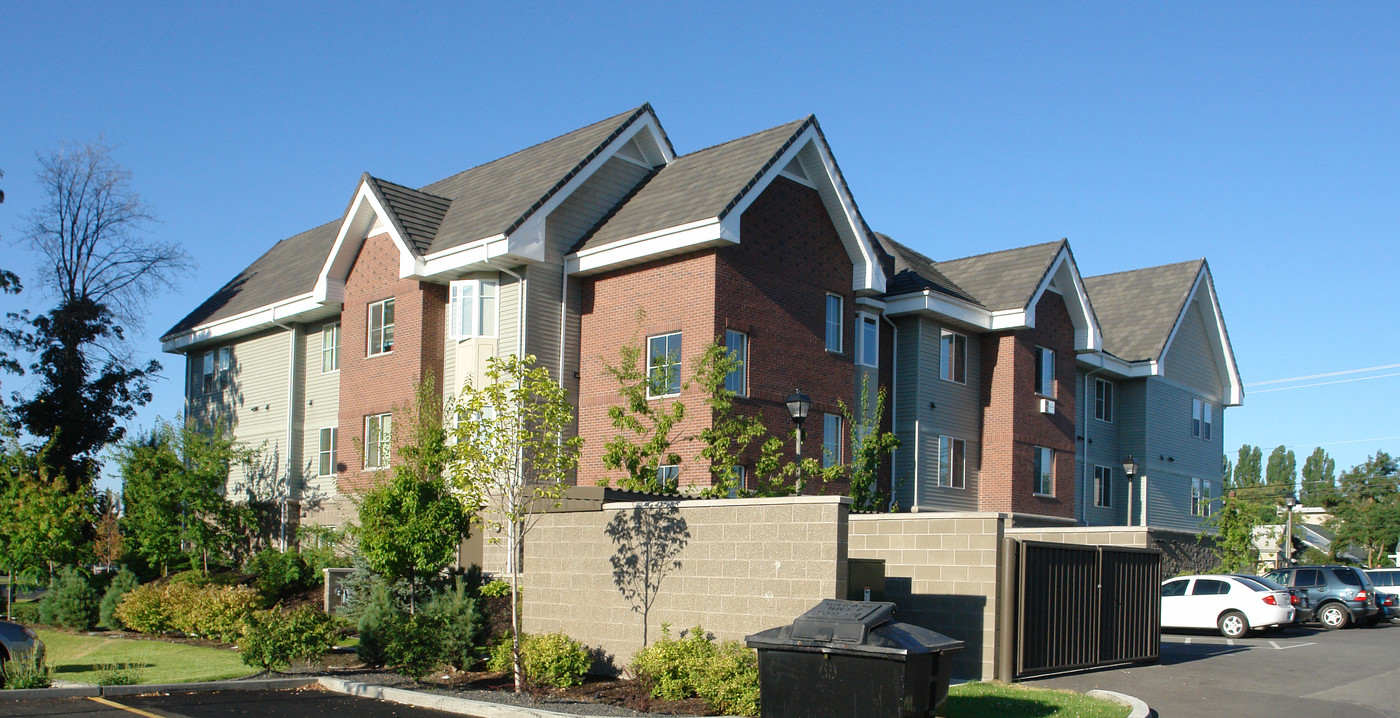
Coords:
pixel 849 658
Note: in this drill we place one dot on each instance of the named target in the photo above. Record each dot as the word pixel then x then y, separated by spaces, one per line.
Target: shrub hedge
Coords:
pixel 724 675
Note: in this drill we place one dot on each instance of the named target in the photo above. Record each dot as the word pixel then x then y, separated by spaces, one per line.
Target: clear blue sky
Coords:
pixel 1264 137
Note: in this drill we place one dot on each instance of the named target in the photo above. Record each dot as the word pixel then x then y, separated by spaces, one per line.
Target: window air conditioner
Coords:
pixel 1047 406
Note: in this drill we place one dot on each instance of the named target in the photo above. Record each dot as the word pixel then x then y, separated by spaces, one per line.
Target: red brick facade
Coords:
pixel 372 385
pixel 772 287
pixel 1012 423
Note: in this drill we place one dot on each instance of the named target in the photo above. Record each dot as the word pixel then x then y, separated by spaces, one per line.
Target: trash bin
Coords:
pixel 849 658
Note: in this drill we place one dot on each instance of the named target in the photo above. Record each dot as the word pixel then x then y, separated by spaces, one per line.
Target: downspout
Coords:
pixel 563 316
pixel 1084 457
pixel 894 394
pixel 291 420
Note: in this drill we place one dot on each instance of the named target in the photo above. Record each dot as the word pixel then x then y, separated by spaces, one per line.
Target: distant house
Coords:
pixel 1017 385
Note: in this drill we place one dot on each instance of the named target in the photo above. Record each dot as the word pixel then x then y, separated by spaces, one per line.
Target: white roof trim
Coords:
pixel 1225 359
pixel 652 245
pixel 354 230
pixel 1130 370
pixel 931 302
pixel 1087 334
pixel 292 308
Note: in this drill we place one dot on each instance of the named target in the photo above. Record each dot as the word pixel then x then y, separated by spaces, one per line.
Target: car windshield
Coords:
pixel 1258 584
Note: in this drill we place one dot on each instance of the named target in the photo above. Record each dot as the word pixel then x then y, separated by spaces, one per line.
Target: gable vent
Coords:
pixel 632 152
pixel 796 169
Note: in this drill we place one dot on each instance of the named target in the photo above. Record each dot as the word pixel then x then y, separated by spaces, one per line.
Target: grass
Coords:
pixel 1011 701
pixel 90 659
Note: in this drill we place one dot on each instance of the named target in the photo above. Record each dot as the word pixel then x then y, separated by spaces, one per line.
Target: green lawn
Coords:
pixel 80 658
pixel 1010 701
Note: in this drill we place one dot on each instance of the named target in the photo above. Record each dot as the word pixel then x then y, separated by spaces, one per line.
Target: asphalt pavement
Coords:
pixel 298 703
pixel 1295 672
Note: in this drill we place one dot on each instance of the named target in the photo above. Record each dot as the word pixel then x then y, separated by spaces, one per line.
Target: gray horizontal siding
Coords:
pixel 929 407
pixel 1099 445
pixel 1192 359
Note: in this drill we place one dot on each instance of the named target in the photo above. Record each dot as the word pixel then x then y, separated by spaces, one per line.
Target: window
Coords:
pixel 1205 498
pixel 1103 400
pixel 473 303
pixel 668 476
pixel 330 348
pixel 952 357
pixel 868 344
pixel 378 430
pixel 1209 587
pixel 833 323
pixel 1175 588
pixel 1202 415
pixel 831 440
pixel 952 462
pixel 737 381
pixel 207 383
pixel 1045 372
pixel 1307 577
pixel 1103 487
pixel 381 327
pixel 664 365
pixel 1198 500
pixel 217 365
pixel 1044 471
pixel 740 476
pixel 1206 421
pixel 327 452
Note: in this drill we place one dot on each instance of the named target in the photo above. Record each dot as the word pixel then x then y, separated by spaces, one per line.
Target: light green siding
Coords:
pixel 321 407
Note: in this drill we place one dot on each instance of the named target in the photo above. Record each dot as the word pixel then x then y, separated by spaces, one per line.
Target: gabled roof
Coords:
pixel 1004 280
pixel 414 213
pixel 285 271
pixel 913 272
pixel 497 197
pixel 703 184
pixel 1139 308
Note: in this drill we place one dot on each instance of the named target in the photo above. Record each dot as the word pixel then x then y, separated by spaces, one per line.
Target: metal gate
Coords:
pixel 1082 606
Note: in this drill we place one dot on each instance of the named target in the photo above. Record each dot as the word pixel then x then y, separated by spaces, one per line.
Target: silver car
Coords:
pixel 19 642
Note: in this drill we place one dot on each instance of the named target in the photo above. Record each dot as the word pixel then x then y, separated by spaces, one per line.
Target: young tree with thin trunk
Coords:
pixel 101 273
pixel 512 458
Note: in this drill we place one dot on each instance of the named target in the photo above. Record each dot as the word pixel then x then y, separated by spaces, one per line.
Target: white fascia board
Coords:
pixel 1234 389
pixel 867 272
pixel 528 240
pixel 1012 319
pixel 472 255
pixel 871 302
pixel 287 309
pixel 1087 334
pixel 358 220
pixel 1131 370
pixel 652 245
pixel 930 302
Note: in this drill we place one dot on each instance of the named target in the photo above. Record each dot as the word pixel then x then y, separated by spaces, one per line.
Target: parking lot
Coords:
pixel 1294 672
pixel 298 703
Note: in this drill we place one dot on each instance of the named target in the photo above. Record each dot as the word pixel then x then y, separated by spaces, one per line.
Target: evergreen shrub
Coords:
pixel 70 601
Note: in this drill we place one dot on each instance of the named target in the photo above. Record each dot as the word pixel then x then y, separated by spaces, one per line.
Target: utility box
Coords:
pixel 865 579
pixel 333 593
pixel 849 658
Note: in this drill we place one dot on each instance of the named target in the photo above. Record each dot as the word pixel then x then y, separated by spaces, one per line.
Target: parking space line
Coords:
pixel 128 709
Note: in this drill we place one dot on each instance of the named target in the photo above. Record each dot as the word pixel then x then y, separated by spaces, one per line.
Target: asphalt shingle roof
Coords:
pixel 703 184
pixel 289 269
pixel 1005 279
pixel 417 214
pixel 913 272
pixel 1137 309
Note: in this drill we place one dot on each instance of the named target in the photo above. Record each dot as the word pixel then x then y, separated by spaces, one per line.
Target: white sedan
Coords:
pixel 1231 604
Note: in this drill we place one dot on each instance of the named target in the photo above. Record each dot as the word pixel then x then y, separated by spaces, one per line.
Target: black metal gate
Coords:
pixel 1082 606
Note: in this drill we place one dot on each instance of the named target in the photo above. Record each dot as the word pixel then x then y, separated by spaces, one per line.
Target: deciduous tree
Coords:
pixel 1367 513
pixel 1319 479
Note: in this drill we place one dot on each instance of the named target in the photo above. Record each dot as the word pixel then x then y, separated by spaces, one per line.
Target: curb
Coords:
pixel 256 684
pixel 449 704
pixel 1136 708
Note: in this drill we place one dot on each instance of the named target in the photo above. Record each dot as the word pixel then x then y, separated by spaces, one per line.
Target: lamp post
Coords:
pixel 1130 469
pixel 1288 503
pixel 798 404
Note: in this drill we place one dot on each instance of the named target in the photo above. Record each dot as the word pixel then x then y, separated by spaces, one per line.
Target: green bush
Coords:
pixel 112 674
pixel 29 671
pixel 70 601
pixel 143 609
pixel 274 639
pixel 548 659
pixel 495 588
pixel 277 574
pixel 414 649
pixel 123 582
pixel 26 613
pixel 462 626
pixel 724 675
pixel 378 615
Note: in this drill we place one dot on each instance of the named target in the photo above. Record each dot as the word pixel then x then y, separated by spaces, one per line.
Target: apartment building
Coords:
pixel 571 248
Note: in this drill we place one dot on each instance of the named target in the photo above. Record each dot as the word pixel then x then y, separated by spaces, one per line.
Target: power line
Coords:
pixel 1348 441
pixel 1323 383
pixel 1320 376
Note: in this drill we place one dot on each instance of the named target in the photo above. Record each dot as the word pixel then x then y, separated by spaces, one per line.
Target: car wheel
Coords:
pixel 1233 624
pixel 1333 617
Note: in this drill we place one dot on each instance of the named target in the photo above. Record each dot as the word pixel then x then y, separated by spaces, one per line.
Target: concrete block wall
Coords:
pixel 733 566
pixel 941 569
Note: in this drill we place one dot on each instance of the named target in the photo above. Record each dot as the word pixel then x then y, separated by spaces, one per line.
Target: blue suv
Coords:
pixel 1340 596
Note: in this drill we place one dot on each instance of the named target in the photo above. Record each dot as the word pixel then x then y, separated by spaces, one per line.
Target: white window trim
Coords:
pixel 1103 489
pixel 385 443
pixel 1034 460
pixel 840 322
pixel 369 327
pixel 961 480
pixel 862 320
pixel 1207 419
pixel 1040 354
pixel 836 457
pixel 743 370
pixel 1110 391
pixel 675 480
pixel 678 366
pixel 478 316
pixel 334 350
pixel 320 451
pixel 1195 497
pixel 952 369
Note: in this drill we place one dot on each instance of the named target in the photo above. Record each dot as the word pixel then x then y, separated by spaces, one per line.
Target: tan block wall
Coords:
pixel 741 566
pixel 941 570
pixel 1130 536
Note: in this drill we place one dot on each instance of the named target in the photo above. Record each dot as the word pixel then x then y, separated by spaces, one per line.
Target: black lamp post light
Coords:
pixel 798 404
